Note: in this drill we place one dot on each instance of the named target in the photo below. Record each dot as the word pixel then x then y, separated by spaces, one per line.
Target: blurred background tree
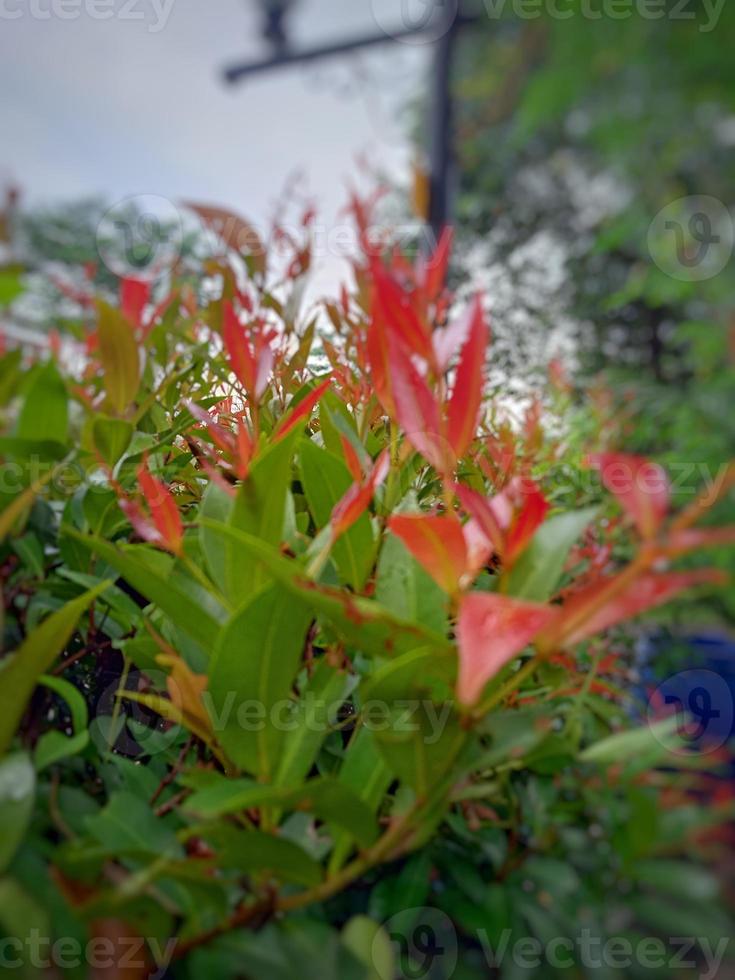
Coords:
pixel 595 172
pixel 572 135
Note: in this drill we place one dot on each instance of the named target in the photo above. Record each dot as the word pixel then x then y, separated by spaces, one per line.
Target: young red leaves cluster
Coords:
pixel 509 519
pixel 409 359
pixel 493 627
pixel 249 352
pixel 164 527
pixel 491 630
pixel 359 496
pixel 641 486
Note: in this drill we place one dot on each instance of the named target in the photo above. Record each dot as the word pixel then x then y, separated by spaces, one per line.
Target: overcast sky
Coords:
pixel 133 103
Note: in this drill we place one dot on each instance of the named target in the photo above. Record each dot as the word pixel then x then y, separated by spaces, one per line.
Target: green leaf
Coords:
pixel 370 944
pixel 30 551
pixel 259 510
pixel 54 746
pixel 143 568
pixel 326 690
pixel 223 796
pixel 118 353
pixel 325 480
pixel 361 621
pixel 22 917
pixel 681 879
pixel 419 735
pixel 111 437
pixel 216 505
pixel 45 412
pixel 17 795
pixel 326 798
pixel 335 419
pixel 537 573
pixel 632 745
pixel 254 666
pixel 404 588
pixel 512 735
pixel 367 774
pixel 705 921
pixel 127 824
pixel 253 850
pixel 19 673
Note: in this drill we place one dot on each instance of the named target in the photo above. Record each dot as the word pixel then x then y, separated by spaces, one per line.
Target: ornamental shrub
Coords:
pixel 302 633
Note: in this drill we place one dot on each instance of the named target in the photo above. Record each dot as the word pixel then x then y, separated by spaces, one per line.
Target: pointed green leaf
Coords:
pixel 20 671
pixel 251 675
pixel 149 572
pixel 111 437
pixel 537 572
pixel 54 746
pixel 361 621
pixel 253 850
pixel 324 693
pixel 408 591
pixel 127 824
pixel 45 412
pixel 118 353
pixel 259 510
pixel 326 798
pixel 325 480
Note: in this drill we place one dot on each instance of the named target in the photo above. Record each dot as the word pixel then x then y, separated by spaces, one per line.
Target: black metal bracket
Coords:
pixel 440 139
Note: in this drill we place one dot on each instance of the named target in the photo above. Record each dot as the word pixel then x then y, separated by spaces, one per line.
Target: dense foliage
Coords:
pixel 574 132
pixel 301 634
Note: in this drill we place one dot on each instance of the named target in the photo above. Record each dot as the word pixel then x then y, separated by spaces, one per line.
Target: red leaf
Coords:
pixel 491 630
pixel 400 318
pixel 479 546
pixel 646 592
pixel 464 407
pixel 691 539
pixel 163 509
pixel 378 358
pixel 134 297
pixel 447 341
pixel 528 518
pixel 241 357
pixel 437 542
pixel 433 272
pixel 351 458
pixel 641 486
pixel 478 507
pixel 302 411
pixel 245 449
pixel 358 498
pixel 417 410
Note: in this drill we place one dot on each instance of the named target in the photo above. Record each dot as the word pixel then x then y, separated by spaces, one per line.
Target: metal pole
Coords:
pixel 440 127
